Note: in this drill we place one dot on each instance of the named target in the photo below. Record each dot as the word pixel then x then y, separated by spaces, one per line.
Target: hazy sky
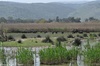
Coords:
pixel 43 1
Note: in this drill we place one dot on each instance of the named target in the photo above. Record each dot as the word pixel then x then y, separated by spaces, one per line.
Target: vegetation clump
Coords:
pixel 77 42
pixel 11 38
pixel 61 39
pixel 79 36
pixel 2 56
pixel 24 56
pixel 57 55
pixel 47 40
pixel 70 36
pixel 38 36
pixel 19 41
pixel 85 35
pixel 92 55
pixel 99 34
pixel 23 36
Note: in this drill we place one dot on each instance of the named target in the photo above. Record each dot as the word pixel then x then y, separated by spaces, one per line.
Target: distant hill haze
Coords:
pixel 50 10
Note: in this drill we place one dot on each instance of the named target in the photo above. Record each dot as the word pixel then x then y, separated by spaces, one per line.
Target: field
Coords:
pixel 50 27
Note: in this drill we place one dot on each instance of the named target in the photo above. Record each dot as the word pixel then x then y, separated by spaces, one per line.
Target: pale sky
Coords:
pixel 43 1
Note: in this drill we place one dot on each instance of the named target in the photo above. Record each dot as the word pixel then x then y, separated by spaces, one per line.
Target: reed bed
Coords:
pixel 52 26
pixel 57 55
pixel 92 55
pixel 24 56
pixel 2 56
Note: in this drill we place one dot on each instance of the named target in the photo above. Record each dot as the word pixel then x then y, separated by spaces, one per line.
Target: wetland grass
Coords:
pixel 92 55
pixel 57 55
pixel 24 56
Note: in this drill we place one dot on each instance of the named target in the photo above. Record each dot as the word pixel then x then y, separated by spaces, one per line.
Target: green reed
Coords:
pixel 57 55
pixel 24 56
pixel 92 55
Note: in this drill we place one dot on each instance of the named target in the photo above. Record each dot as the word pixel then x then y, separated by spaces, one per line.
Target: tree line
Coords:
pixel 42 20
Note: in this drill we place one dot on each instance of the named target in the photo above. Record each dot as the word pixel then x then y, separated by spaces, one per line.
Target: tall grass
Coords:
pixel 24 56
pixel 92 55
pixel 57 55
pixel 2 56
pixel 12 27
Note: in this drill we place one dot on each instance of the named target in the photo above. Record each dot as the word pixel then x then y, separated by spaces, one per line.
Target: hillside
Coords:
pixel 35 10
pixel 91 9
pixel 49 10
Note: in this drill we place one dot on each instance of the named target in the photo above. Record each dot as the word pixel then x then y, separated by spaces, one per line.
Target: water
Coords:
pixel 36 58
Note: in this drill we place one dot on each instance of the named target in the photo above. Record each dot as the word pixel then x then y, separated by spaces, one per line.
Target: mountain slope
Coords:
pixel 35 10
pixel 50 10
pixel 91 9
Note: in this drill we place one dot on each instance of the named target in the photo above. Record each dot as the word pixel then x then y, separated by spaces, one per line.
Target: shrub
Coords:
pixel 70 36
pixel 38 36
pixel 95 35
pixel 77 42
pixel 85 35
pixel 36 42
pixel 99 34
pixel 19 41
pixel 61 39
pixel 47 40
pixel 62 32
pixel 23 36
pixel 11 38
pixel 80 36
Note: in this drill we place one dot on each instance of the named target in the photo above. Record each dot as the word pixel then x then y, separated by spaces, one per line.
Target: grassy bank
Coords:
pixel 26 43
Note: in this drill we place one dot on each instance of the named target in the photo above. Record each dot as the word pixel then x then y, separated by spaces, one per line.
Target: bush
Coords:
pixel 23 36
pixel 70 36
pixel 36 42
pixel 80 36
pixel 19 41
pixel 85 35
pixel 38 36
pixel 95 35
pixel 62 32
pixel 77 42
pixel 99 34
pixel 47 40
pixel 61 39
pixel 11 38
